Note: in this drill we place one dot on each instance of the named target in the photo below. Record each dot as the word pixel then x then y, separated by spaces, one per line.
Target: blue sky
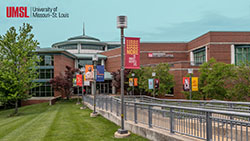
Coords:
pixel 151 20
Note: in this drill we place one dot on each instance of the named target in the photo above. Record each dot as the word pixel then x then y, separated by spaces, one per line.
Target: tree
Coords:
pixel 18 62
pixel 240 89
pixel 166 79
pixel 64 82
pixel 215 79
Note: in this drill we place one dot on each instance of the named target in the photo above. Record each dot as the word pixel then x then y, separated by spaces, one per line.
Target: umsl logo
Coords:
pixel 16 12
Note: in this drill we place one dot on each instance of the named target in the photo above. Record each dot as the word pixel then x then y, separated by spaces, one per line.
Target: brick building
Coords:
pixel 228 47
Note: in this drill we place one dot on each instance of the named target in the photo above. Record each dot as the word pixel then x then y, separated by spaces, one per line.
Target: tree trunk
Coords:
pixel 16 107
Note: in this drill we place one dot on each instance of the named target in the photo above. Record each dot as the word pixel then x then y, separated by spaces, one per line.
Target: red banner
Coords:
pixel 79 80
pixel 186 83
pixel 132 53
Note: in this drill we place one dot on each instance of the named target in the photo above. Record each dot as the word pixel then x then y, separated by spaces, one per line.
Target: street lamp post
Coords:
pixel 133 74
pixel 94 114
pixel 190 71
pixel 122 23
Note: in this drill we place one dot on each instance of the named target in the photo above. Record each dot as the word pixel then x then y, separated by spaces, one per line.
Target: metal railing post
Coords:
pixel 117 108
pixel 111 103
pixel 149 117
pixel 106 100
pixel 171 121
pixel 209 126
pixel 135 114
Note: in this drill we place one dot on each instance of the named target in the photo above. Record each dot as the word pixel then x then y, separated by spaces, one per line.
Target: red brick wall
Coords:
pixel 60 63
pixel 221 53
pixel 113 62
pixel 200 41
pixel 30 102
pixel 230 36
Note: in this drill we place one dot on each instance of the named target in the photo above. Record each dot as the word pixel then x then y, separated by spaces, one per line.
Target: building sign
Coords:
pixel 89 73
pixel 186 83
pixel 100 73
pixel 194 83
pixel 131 82
pixel 132 53
pixel 135 81
pixel 150 83
pixel 160 54
pixel 79 80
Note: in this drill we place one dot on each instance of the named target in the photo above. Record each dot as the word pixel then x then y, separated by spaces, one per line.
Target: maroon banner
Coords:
pixel 132 53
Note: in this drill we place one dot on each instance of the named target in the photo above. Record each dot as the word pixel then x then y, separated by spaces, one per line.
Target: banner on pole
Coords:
pixel 100 73
pixel 150 83
pixel 194 83
pixel 157 83
pixel 130 82
pixel 89 72
pixel 135 81
pixel 79 80
pixel 132 53
pixel 186 83
pixel 74 81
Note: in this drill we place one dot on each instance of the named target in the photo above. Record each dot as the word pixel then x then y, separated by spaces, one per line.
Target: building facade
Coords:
pixel 227 47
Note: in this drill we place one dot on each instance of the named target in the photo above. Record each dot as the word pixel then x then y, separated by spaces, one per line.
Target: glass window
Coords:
pixel 46 73
pixel 46 60
pixel 242 54
pixel 82 63
pixel 199 56
pixel 44 90
pixel 92 47
pixel 70 46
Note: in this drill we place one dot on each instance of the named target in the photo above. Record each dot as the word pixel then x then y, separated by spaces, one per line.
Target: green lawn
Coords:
pixel 61 122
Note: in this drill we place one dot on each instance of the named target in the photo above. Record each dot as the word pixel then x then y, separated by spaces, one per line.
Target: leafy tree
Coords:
pixel 166 79
pixel 64 82
pixel 18 64
pixel 240 84
pixel 214 79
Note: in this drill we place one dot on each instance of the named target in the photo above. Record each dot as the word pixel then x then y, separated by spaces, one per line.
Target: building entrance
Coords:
pixel 103 88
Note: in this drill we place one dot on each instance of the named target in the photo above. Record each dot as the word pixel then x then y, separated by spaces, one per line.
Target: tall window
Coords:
pixel 199 56
pixel 242 54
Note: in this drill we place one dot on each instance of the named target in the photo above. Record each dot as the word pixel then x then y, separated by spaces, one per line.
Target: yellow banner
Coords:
pixel 131 82
pixel 194 83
